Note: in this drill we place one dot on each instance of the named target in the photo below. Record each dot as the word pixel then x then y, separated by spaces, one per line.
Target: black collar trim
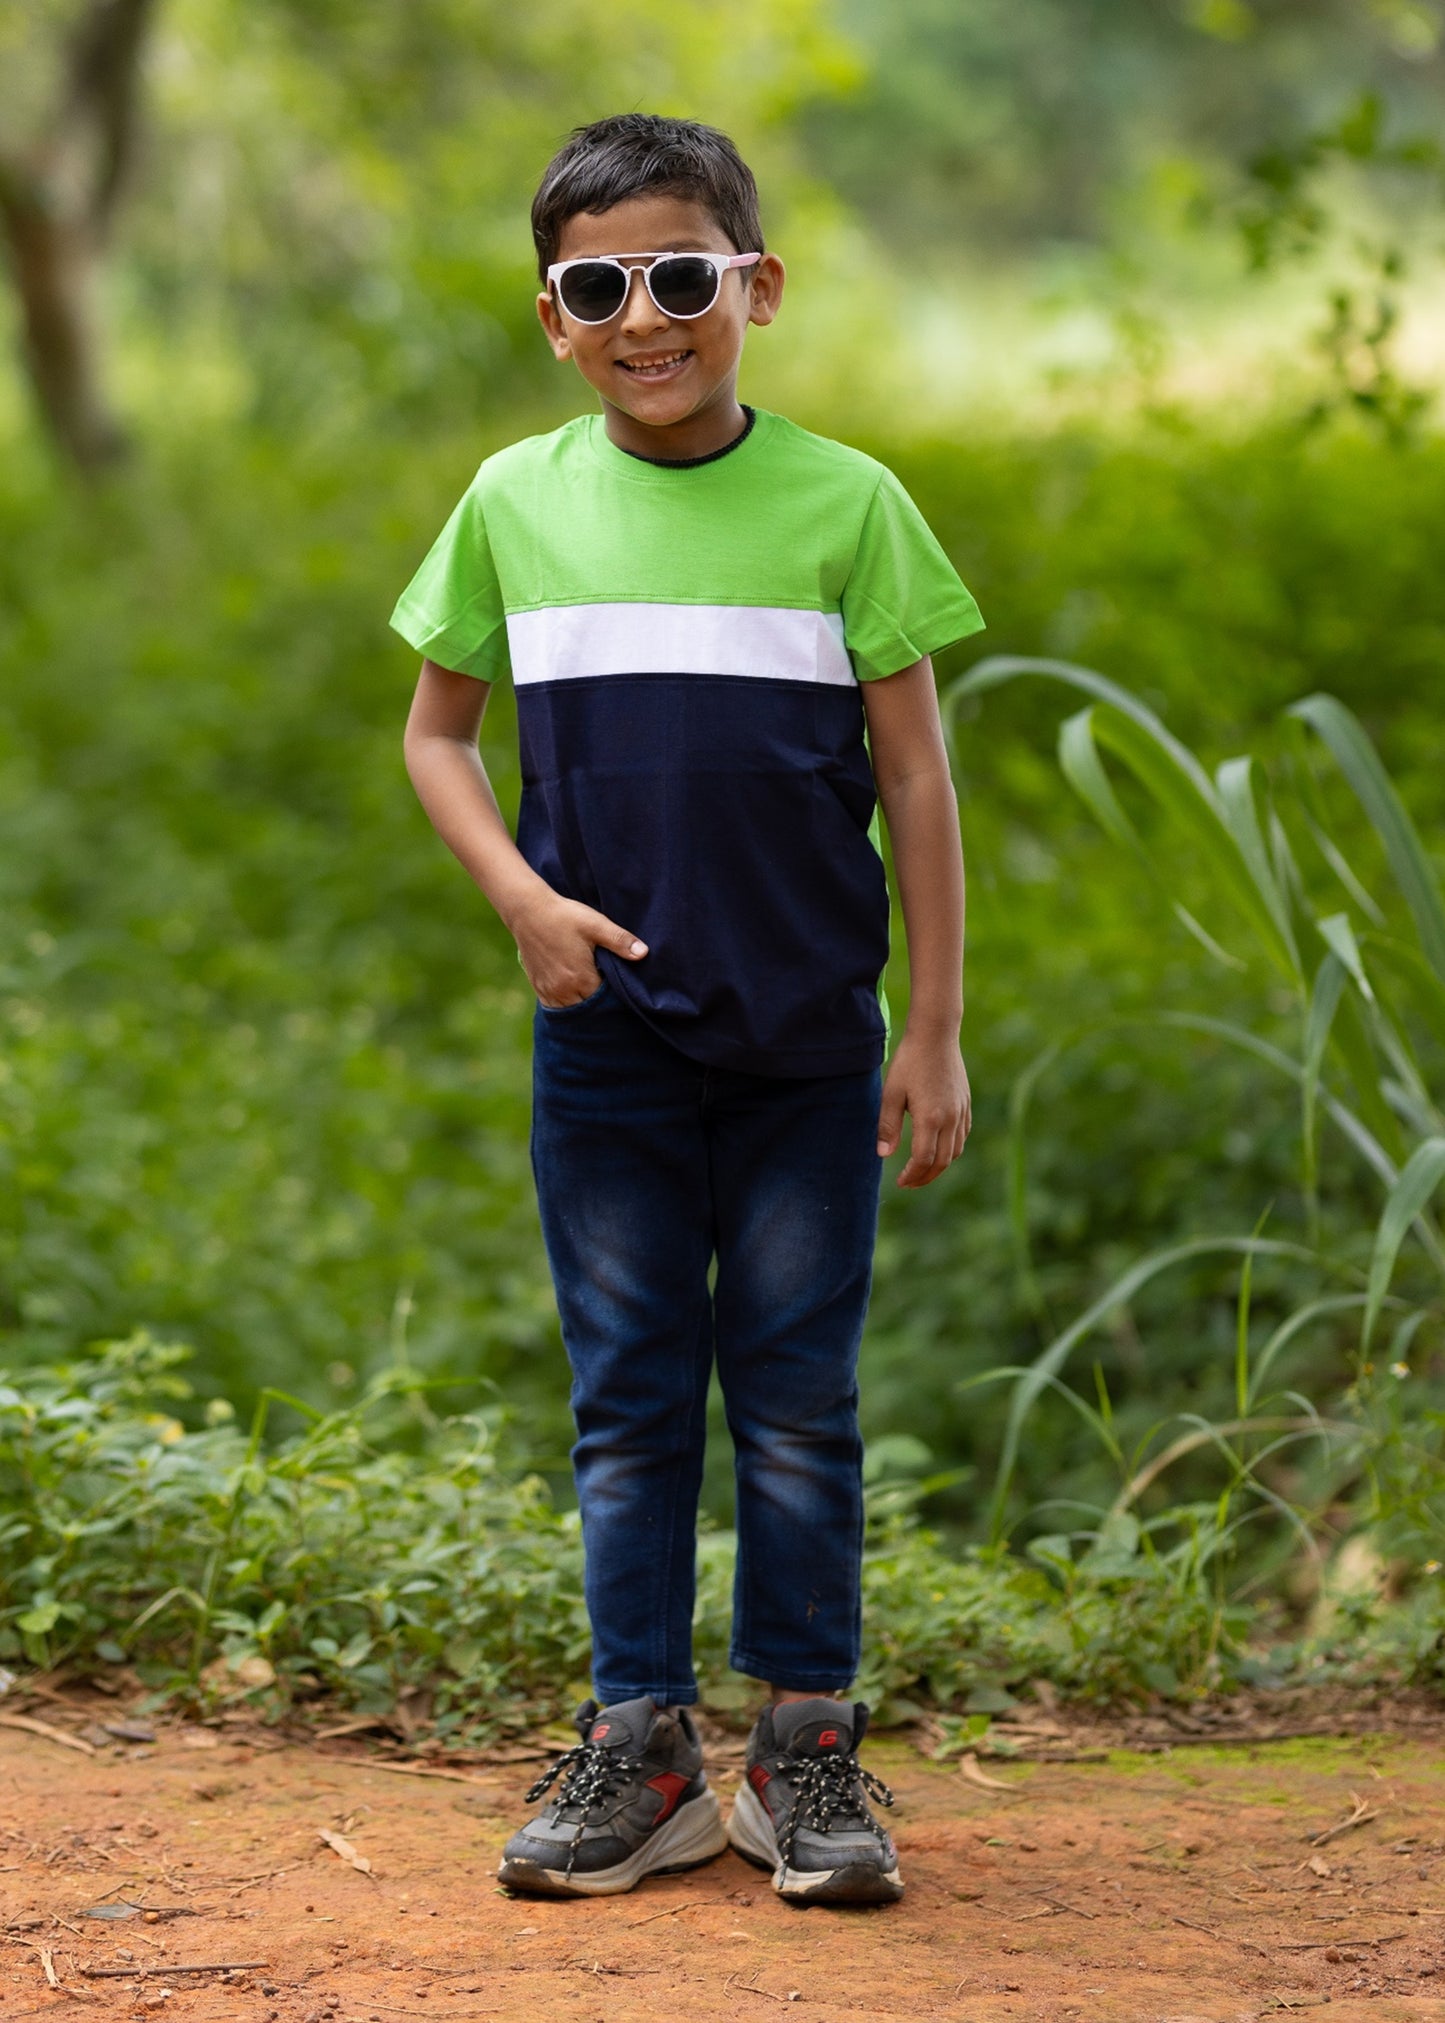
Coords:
pixel 695 463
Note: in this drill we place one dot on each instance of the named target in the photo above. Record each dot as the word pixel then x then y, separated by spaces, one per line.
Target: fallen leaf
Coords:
pixel 340 1845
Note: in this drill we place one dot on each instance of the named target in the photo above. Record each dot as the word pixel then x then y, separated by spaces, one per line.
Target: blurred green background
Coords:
pixel 1142 300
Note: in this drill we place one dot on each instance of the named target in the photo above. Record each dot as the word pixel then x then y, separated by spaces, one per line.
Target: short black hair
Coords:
pixel 637 153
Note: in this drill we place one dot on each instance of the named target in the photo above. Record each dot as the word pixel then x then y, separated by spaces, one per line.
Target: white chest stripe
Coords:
pixel 573 641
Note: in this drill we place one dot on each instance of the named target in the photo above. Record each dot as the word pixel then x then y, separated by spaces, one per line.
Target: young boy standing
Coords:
pixel 711 618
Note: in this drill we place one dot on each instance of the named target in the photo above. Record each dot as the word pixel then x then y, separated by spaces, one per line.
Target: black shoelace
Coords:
pixel 827 1789
pixel 589 1775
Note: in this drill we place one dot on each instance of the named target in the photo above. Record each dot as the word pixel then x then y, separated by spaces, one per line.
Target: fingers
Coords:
pixel 890 1117
pixel 619 940
pixel 938 1137
pixel 930 1150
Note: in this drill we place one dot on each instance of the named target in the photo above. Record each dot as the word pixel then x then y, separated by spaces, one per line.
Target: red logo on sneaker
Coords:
pixel 602 1728
pixel 672 1785
pixel 828 1739
pixel 758 1778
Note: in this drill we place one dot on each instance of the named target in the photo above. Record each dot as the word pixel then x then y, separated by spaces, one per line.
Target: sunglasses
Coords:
pixel 682 285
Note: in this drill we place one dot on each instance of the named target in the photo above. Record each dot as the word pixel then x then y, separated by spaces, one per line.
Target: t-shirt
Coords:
pixel 687 642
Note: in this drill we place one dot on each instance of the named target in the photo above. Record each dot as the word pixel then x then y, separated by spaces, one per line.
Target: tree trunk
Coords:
pixel 57 200
pixel 55 262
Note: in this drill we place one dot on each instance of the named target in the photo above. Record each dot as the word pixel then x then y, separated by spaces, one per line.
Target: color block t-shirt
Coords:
pixel 687 644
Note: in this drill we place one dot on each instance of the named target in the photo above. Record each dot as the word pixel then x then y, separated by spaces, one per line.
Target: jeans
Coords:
pixel 650 1167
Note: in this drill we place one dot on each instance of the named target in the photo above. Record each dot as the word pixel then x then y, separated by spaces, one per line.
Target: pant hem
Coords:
pixel 785 1680
pixel 661 1696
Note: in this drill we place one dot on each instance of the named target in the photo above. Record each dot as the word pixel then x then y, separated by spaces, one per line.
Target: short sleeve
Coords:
pixel 903 598
pixel 452 610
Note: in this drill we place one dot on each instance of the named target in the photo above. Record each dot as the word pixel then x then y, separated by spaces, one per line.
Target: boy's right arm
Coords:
pixel 556 937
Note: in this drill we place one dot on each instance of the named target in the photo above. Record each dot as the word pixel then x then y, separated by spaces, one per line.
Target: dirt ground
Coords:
pixel 1190 1885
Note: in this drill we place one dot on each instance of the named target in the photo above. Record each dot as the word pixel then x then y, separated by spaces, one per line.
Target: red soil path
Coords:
pixel 1142 1889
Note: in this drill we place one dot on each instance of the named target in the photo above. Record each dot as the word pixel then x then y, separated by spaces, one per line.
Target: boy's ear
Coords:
pixel 550 318
pixel 768 278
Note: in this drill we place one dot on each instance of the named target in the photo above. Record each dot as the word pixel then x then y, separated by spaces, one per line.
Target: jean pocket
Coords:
pixel 562 1011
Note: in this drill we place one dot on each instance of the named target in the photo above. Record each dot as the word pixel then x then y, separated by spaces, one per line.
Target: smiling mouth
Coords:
pixel 654 368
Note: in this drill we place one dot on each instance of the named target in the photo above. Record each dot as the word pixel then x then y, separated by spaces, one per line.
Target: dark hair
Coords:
pixel 640 152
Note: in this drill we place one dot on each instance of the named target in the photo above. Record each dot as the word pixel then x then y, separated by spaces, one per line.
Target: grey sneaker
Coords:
pixel 803 1811
pixel 633 1802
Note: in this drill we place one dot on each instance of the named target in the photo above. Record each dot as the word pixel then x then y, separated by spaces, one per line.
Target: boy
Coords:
pixel 703 608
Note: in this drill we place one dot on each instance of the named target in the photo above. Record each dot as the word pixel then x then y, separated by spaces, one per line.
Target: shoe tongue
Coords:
pixel 814 1727
pixel 623 1726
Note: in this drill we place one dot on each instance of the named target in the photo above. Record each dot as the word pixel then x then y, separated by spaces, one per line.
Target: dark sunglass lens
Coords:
pixel 593 291
pixel 684 286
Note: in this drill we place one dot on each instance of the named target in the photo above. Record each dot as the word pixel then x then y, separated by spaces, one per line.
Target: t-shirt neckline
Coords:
pixel 666 470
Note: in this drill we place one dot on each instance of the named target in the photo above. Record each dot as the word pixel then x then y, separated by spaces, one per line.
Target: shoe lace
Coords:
pixel 829 1788
pixel 589 1774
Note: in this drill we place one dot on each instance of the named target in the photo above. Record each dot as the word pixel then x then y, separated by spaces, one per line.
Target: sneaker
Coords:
pixel 803 1811
pixel 633 1801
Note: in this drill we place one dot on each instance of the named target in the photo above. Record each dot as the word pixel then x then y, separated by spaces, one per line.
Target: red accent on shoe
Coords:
pixel 672 1785
pixel 759 1778
pixel 828 1738
pixel 602 1728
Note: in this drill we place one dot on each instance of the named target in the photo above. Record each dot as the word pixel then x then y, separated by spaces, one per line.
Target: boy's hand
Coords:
pixel 926 1078
pixel 557 939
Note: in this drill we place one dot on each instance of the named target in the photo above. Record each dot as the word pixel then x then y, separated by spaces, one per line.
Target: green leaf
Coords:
pixel 1423 1172
pixel 1234 781
pixel 1360 763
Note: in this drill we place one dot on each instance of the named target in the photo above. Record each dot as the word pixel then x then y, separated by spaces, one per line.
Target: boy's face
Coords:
pixel 662 380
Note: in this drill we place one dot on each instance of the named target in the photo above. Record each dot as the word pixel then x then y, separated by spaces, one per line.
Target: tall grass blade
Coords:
pixel 1360 763
pixel 1002 667
pixel 1319 1018
pixel 1302 1426
pixel 1051 1360
pixel 1295 1324
pixel 1423 1172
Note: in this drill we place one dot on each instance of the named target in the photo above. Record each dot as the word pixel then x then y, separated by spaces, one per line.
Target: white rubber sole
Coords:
pixel 694 1834
pixel 751 1832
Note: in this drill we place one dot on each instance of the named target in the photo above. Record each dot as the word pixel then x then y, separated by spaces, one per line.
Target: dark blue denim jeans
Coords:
pixel 651 1169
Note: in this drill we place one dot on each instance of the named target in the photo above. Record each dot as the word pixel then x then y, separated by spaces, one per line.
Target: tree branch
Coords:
pixel 102 94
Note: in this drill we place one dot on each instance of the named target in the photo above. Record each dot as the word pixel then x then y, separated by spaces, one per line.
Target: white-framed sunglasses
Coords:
pixel 682 285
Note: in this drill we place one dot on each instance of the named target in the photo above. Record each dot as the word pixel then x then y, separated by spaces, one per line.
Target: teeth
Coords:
pixel 653 364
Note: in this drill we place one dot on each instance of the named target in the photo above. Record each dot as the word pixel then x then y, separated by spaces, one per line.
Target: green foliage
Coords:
pixel 1367 1055
pixel 263 1084
pixel 338 1561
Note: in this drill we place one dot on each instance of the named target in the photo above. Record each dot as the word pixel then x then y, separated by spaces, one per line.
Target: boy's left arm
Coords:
pixel 926 1076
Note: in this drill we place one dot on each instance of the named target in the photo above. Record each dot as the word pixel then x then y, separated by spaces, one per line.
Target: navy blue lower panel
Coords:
pixel 725 821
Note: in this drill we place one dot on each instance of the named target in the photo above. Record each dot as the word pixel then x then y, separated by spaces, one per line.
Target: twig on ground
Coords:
pixel 135 1972
pixel 1321 1945
pixel 751 1988
pixel 48 1733
pixel 1060 1905
pixel 672 1910
pixel 47 1961
pixel 410 1769
pixel 1363 1811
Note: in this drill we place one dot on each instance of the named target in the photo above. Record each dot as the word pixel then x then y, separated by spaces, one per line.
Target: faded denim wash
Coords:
pixel 650 1166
